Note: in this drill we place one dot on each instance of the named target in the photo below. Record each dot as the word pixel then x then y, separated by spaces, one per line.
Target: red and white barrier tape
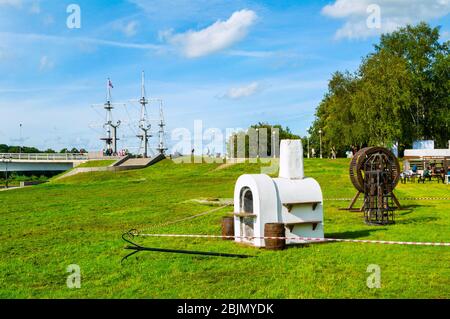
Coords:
pixel 300 239
pixel 406 198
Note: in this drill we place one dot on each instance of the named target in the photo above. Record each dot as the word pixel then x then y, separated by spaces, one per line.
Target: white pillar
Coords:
pixel 291 159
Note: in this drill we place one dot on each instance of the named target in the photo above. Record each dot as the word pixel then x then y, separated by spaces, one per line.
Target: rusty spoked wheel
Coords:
pixel 359 159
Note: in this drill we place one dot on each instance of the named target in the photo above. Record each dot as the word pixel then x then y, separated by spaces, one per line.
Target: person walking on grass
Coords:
pixel 333 153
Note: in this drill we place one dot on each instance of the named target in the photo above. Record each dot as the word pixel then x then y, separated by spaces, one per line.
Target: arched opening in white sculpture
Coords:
pixel 246 200
pixel 246 208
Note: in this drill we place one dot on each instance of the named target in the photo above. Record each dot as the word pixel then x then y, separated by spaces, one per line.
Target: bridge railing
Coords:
pixel 43 156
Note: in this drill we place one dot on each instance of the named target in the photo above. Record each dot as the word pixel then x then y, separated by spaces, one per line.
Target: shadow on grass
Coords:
pixel 353 234
pixel 405 211
pixel 412 206
pixel 417 220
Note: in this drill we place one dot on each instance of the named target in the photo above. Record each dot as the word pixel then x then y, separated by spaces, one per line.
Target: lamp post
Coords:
pixel 307 138
pixel 320 139
pixel 6 160
pixel 21 140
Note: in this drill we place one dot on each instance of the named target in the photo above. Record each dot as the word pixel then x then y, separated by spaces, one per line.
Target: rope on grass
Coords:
pixel 304 239
pixel 186 218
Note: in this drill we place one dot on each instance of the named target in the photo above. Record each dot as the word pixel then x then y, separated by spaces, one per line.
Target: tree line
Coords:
pixel 27 149
pixel 399 94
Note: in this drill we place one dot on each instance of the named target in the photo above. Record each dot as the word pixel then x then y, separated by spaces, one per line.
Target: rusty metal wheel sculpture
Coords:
pixel 358 168
pixel 360 158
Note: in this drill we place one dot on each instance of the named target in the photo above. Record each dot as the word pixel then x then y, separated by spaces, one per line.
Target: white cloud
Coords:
pixel 243 91
pixel 178 13
pixel 252 54
pixel 28 37
pixel 32 6
pixel 394 14
pixel 45 63
pixel 218 36
pixel 130 28
pixel 13 3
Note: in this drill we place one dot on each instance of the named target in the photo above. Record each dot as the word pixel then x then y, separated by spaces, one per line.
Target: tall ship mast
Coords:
pixel 143 134
pixel 144 126
pixel 111 128
pixel 161 132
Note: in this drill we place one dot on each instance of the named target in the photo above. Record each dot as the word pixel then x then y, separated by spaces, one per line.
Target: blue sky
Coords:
pixel 228 63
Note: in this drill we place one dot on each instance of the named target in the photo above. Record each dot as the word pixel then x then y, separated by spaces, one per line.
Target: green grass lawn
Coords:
pixel 80 219
pixel 97 163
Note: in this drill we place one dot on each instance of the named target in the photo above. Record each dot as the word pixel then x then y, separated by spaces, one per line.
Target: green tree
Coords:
pixel 440 125
pixel 398 94
pixel 381 99
pixel 424 55
pixel 334 117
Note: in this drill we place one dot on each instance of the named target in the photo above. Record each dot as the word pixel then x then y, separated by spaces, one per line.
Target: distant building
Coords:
pixel 425 154
pixel 423 145
pixel 425 149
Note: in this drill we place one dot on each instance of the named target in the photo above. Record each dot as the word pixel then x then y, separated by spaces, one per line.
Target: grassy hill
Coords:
pixel 80 219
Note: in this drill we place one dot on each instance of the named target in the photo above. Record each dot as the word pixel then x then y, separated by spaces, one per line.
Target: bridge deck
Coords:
pixel 44 161
pixel 43 156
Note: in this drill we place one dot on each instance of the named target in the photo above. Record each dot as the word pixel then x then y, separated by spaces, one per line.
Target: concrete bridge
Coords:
pixel 27 162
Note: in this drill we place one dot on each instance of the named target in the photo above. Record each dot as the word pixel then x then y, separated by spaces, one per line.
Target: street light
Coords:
pixel 320 138
pixel 21 140
pixel 6 160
